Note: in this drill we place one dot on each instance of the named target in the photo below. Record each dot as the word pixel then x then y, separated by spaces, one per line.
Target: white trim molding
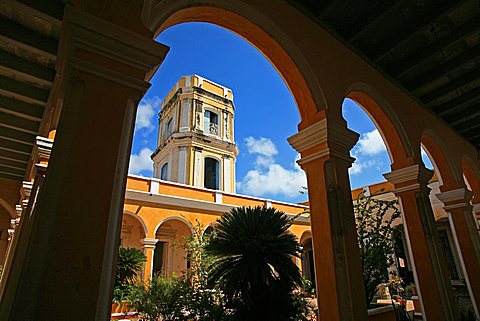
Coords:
pixel 323 133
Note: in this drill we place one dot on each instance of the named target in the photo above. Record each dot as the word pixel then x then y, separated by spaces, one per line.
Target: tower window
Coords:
pixel 168 130
pixel 164 172
pixel 211 174
pixel 210 120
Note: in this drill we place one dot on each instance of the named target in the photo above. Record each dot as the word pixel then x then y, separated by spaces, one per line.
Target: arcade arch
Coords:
pixel 169 256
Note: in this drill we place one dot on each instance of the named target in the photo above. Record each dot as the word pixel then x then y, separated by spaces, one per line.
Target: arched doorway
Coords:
pixel 169 255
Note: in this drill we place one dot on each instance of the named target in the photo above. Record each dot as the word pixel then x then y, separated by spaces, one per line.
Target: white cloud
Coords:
pixel 275 179
pixel 269 177
pixel 371 143
pixel 141 162
pixel 146 113
pixel 369 146
pixel 359 166
pixel 262 146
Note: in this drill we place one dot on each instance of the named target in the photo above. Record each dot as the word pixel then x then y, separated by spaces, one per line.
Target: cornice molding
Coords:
pixel 148 242
pixel 456 198
pixel 416 173
pixel 88 33
pixel 337 140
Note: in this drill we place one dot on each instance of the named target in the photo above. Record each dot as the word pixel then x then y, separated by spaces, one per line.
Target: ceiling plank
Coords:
pixel 404 66
pixel 422 28
pixel 443 70
pixel 454 105
pixel 454 84
pixel 15 146
pixel 21 158
pixel 37 94
pixel 13 163
pixel 10 176
pixel 361 33
pixel 18 123
pixel 16 31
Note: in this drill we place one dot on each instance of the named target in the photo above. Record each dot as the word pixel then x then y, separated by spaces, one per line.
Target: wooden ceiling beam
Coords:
pixel 10 176
pixel 454 84
pixel 392 9
pixel 421 29
pixel 443 70
pixel 454 105
pixel 403 67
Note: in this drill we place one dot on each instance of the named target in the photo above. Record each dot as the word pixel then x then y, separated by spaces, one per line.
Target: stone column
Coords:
pixel 325 158
pixel 67 270
pixel 476 214
pixel 465 234
pixel 429 267
pixel 148 249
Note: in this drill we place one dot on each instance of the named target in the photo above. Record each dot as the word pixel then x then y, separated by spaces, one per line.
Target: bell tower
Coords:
pixel 195 135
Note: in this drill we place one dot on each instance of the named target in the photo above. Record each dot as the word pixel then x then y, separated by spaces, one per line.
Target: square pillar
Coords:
pixel 465 234
pixel 148 246
pixel 67 270
pixel 429 267
pixel 325 157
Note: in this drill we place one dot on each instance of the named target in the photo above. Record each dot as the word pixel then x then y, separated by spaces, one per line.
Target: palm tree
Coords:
pixel 129 264
pixel 254 266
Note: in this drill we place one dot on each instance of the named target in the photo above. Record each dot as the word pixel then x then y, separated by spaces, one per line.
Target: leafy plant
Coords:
pixel 206 301
pixel 161 299
pixel 254 266
pixel 129 263
pixel 374 219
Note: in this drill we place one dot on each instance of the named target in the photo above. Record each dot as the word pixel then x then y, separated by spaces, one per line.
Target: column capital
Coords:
pixel 476 208
pixel 97 46
pixel 409 178
pixel 456 198
pixel 148 243
pixel 324 139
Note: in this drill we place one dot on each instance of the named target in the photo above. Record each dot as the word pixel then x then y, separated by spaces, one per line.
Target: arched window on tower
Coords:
pixel 164 172
pixel 168 130
pixel 211 174
pixel 210 120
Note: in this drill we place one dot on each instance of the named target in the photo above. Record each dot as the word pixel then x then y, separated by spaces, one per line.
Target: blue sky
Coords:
pixel 265 115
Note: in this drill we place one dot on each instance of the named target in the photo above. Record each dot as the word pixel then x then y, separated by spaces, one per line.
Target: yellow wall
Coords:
pixel 182 219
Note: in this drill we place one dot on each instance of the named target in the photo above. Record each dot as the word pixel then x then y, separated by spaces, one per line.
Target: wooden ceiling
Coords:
pixel 430 48
pixel 29 34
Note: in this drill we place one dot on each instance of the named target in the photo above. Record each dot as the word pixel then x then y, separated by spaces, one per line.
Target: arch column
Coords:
pixel 464 229
pixel 324 149
pixel 476 213
pixel 67 270
pixel 148 246
pixel 429 267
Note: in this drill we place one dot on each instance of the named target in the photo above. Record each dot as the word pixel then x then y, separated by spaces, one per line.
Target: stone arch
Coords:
pixel 8 208
pixel 210 227
pixel 169 255
pixel 471 173
pixel 305 235
pixel 142 222
pixel 180 218
pixel 308 262
pixel 133 231
pixel 449 176
pixel 258 30
pixel 394 136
